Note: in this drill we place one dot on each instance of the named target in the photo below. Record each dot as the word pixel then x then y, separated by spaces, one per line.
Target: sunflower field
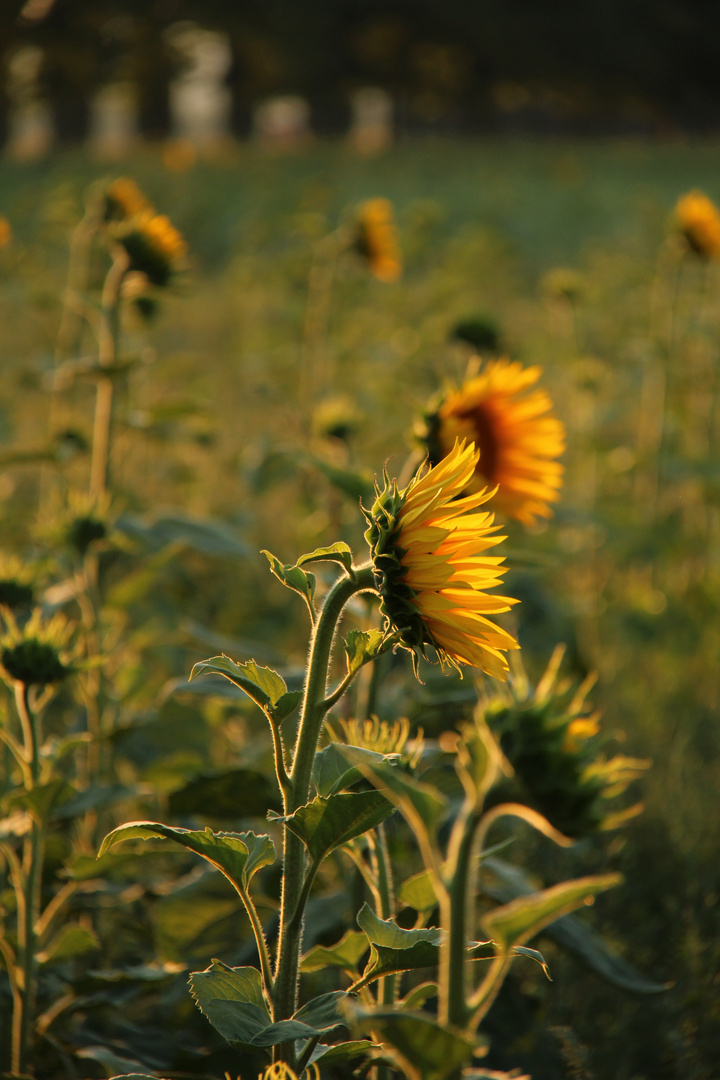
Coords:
pixel 360 614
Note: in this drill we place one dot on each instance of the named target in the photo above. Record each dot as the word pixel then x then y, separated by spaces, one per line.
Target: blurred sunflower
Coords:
pixel 154 246
pixel 36 654
pixel 124 199
pixel 552 739
pixel 80 522
pixel 517 436
pixel 376 239
pixel 429 552
pixel 698 219
pixel 5 232
pixel 16 583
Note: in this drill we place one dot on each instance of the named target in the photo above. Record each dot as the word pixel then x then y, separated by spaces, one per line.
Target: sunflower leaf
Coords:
pixel 266 688
pixel 362 646
pixel 516 922
pixel 326 823
pixel 292 576
pixel 236 855
pixel 339 553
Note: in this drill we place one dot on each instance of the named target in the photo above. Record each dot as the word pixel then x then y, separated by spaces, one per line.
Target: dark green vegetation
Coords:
pixel 627 573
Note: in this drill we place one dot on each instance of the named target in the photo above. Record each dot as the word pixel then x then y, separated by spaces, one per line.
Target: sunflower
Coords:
pixel 5 232
pixel 154 246
pixel 429 547
pixel 698 220
pixel 124 199
pixel 515 432
pixel 377 240
pixel 36 653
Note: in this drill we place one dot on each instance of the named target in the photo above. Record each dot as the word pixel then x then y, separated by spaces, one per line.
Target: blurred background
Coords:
pixel 533 155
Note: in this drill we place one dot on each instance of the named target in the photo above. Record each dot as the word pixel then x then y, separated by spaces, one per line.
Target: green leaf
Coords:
pixel 339 553
pixel 232 1000
pixel 519 920
pixel 229 984
pixel 292 576
pixel 422 805
pixel 236 855
pixel 418 996
pixel 346 954
pixel 322 1012
pixel 361 646
pixel 72 940
pixel 336 766
pixel 418 892
pixel 203 534
pixel 92 798
pixel 355 485
pixel 229 795
pixel 262 684
pixel 44 800
pixel 478 760
pixel 572 934
pixel 419 1047
pixel 346 1051
pixel 326 823
pixel 393 949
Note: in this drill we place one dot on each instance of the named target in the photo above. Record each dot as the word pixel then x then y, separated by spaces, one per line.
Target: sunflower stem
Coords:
pixel 31 880
pixel 314 710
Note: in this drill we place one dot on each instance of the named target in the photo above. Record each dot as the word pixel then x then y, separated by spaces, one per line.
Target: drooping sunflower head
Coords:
pixel 124 199
pixel 513 427
pixel 698 219
pixel 154 246
pixel 36 654
pixel 376 239
pixel 429 547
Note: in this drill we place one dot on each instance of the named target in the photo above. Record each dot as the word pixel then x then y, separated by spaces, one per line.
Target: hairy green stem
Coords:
pixel 32 875
pixel 313 714
pixel 455 906
pixel 107 352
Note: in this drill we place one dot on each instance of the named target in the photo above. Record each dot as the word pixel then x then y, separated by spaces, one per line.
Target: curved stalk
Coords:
pixel 314 710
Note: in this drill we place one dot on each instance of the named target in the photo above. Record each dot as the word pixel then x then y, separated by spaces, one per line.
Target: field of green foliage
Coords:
pixel 246 420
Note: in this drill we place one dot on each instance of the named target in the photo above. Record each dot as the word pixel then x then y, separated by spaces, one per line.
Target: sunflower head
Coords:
pixel 16 583
pixel 384 737
pixel 124 199
pixel 376 239
pixel 481 331
pixel 36 653
pixel 5 232
pixel 552 739
pixel 517 437
pixel 154 246
pixel 79 522
pixel 698 220
pixel 429 548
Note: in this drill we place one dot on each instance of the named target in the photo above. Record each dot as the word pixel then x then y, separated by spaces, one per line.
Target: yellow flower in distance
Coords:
pixel 154 245
pixel 429 547
pixel 377 239
pixel 518 438
pixel 124 199
pixel 5 232
pixel 699 221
